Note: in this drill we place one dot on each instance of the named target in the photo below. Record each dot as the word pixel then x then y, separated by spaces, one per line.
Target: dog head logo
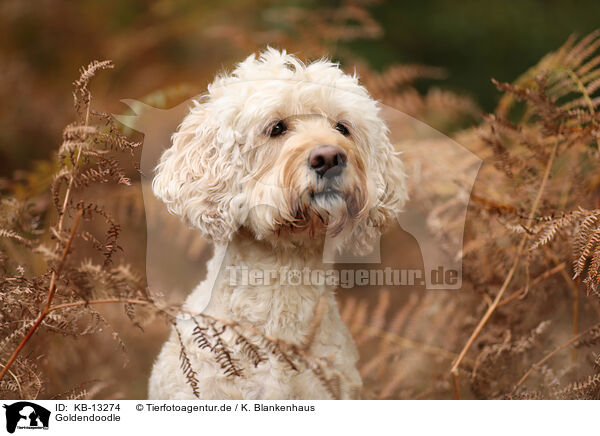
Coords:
pixel 26 415
pixel 301 156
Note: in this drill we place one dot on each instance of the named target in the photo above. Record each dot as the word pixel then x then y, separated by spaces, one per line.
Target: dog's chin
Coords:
pixel 323 213
pixel 329 203
pixel 328 200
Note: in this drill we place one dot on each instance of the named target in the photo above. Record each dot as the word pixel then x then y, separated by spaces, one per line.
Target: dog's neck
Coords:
pixel 248 251
pixel 258 285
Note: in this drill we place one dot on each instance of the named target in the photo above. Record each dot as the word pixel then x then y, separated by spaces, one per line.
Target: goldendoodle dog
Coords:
pixel 277 162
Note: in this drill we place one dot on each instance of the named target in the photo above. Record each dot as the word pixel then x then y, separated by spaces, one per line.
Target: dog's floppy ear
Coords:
pixel 390 195
pixel 197 176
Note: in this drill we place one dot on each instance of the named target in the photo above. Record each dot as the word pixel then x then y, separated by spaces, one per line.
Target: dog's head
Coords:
pixel 288 151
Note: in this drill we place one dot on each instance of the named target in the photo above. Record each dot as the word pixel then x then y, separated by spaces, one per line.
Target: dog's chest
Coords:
pixel 277 311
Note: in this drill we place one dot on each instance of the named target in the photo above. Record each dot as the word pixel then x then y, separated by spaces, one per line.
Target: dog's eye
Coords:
pixel 342 129
pixel 278 129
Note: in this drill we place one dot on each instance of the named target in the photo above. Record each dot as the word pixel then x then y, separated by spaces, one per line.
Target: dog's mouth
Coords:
pixel 326 194
pixel 325 209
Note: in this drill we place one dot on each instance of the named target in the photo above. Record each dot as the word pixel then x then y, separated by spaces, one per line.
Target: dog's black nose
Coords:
pixel 327 160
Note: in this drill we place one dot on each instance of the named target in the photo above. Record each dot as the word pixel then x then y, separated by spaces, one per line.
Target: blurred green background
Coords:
pixel 175 47
pixel 476 40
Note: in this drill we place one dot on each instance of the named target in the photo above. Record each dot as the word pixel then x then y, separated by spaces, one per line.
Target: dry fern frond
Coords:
pixel 81 93
pixel 585 240
pixel 186 365
pixel 251 351
pixel 223 354
pixel 586 389
pixel 397 76
pixel 55 300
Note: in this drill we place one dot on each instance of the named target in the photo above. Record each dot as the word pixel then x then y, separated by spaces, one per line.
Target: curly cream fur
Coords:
pixel 257 199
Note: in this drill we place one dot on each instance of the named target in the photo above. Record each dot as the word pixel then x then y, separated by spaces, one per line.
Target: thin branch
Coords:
pixel 520 293
pixel 456 385
pixel 101 301
pixel 72 177
pixel 513 268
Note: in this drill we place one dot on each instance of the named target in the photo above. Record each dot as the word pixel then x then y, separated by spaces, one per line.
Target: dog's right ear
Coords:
pixel 197 177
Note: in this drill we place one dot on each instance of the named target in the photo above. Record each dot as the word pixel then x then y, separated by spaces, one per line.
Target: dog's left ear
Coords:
pixel 198 176
pixel 388 200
